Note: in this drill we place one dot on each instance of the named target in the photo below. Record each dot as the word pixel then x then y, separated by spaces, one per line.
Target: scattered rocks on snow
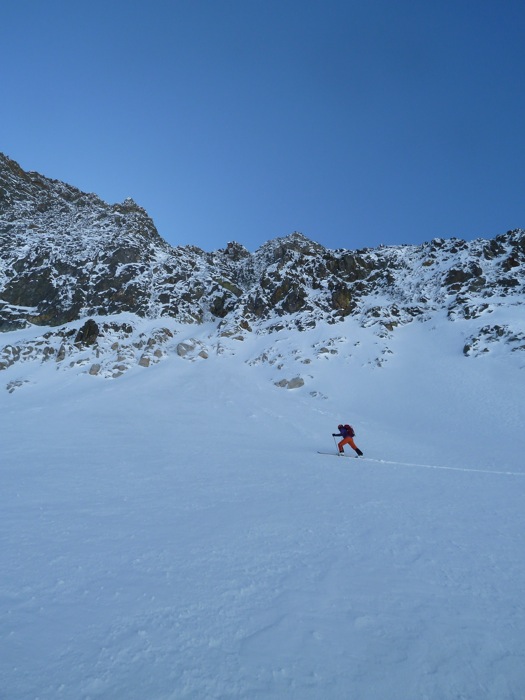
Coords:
pixel 116 347
pixel 15 384
pixel 294 383
pixel 489 337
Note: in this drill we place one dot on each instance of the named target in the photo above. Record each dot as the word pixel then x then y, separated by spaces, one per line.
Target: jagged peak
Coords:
pixel 296 242
pixel 129 205
pixel 235 251
pixel 9 162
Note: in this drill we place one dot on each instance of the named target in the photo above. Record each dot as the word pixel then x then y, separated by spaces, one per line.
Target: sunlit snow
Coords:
pixel 175 534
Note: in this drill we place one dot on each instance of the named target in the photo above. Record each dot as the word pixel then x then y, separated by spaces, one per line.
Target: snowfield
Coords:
pixel 174 534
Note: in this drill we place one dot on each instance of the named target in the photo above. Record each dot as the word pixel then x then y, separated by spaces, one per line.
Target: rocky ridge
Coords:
pixel 76 266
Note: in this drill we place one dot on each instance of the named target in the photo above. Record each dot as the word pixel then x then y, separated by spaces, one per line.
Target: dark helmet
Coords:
pixel 340 426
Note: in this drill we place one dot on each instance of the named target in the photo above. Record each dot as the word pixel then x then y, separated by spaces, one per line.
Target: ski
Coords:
pixel 362 457
pixel 334 454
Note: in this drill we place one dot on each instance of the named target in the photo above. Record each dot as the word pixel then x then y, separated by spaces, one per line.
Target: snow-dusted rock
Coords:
pixel 74 264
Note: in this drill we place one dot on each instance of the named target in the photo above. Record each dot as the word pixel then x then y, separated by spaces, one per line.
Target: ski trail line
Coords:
pixel 436 466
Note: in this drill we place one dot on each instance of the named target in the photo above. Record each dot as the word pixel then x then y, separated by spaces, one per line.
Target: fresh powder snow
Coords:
pixel 174 533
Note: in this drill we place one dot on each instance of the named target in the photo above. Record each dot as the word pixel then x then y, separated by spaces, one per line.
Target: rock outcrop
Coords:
pixel 68 259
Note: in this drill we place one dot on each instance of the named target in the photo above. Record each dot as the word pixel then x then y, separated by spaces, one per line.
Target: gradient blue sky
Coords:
pixel 355 122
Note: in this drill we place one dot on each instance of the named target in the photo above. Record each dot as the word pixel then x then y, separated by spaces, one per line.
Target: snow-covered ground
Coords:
pixel 174 533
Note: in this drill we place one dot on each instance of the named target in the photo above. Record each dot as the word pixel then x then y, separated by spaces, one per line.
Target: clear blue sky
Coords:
pixel 356 122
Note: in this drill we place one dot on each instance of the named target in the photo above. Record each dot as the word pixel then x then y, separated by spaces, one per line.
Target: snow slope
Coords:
pixel 174 534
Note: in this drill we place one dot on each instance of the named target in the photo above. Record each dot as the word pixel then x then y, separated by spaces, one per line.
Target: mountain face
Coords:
pixel 67 257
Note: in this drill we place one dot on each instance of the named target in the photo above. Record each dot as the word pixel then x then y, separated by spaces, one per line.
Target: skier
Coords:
pixel 347 433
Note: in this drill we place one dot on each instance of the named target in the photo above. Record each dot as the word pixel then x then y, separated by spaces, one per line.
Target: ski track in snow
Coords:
pixel 174 534
pixel 430 466
pixel 455 469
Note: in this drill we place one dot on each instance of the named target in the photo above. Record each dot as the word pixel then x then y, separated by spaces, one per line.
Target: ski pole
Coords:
pixel 335 443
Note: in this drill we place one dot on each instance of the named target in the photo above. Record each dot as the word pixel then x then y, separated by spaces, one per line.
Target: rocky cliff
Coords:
pixel 67 256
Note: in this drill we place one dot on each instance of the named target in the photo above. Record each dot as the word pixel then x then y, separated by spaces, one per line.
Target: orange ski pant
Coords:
pixel 346 441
